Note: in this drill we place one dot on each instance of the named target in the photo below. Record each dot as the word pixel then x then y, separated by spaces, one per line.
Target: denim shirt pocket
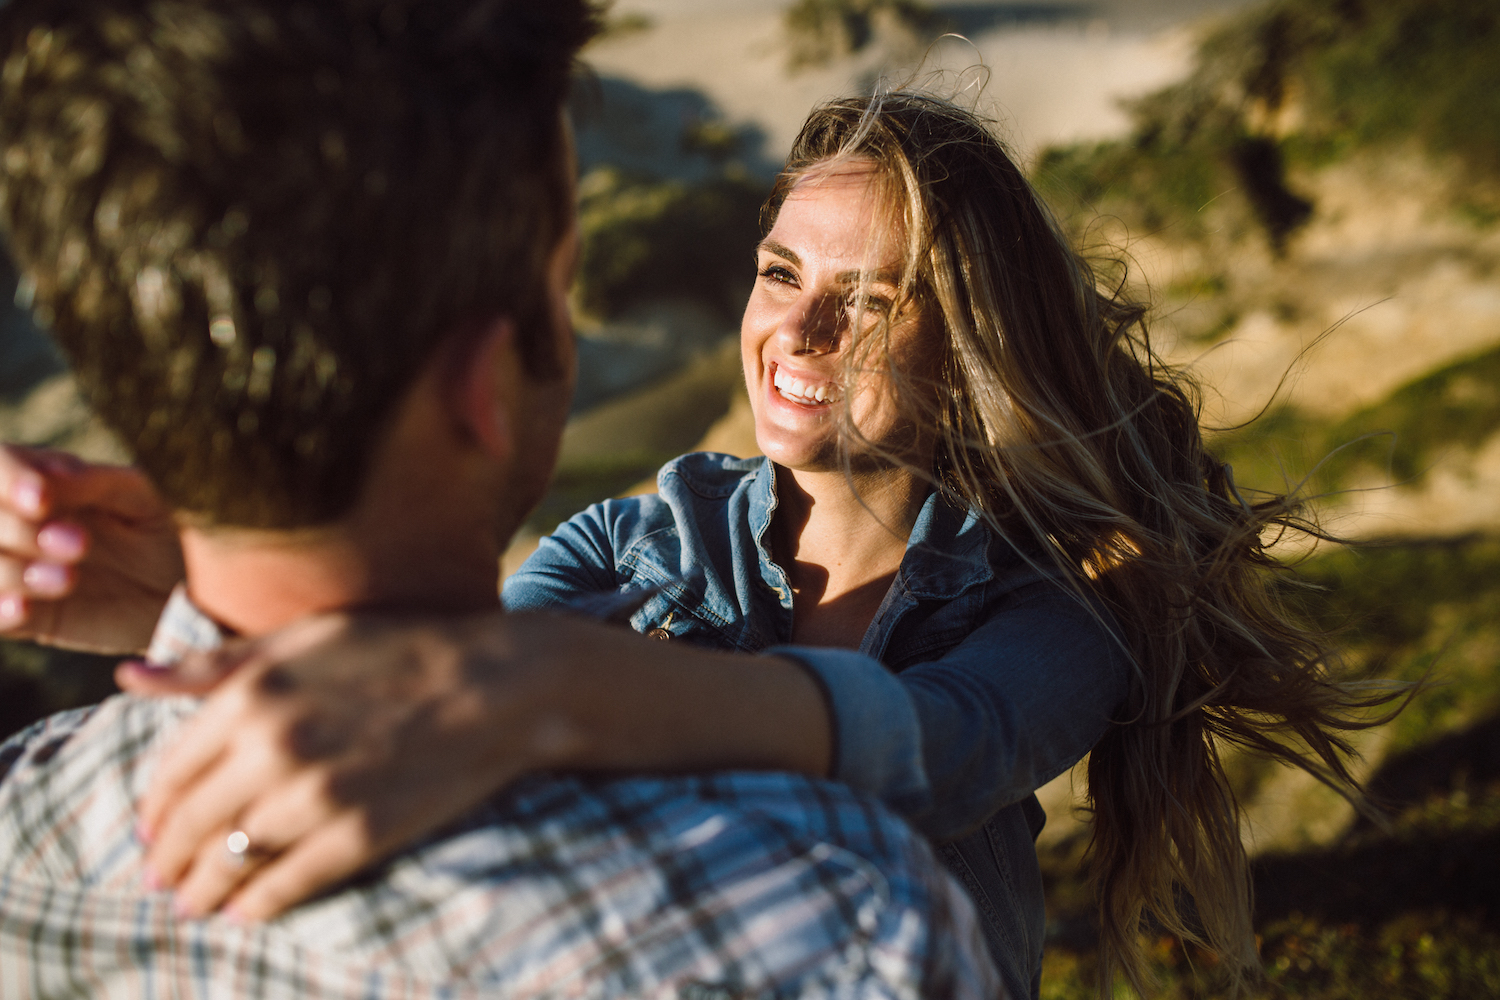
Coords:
pixel 678 609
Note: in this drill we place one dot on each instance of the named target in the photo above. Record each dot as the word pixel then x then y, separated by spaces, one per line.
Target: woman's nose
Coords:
pixel 811 325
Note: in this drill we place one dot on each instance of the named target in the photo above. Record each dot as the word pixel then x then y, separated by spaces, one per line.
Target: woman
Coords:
pixel 987 539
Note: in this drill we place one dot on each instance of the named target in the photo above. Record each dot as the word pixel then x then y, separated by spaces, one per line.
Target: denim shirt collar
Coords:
pixel 947 553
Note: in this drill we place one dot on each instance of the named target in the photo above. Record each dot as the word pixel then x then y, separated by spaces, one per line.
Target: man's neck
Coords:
pixel 255 582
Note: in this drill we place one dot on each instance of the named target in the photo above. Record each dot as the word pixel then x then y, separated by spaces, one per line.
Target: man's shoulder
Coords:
pixel 51 731
pixel 640 886
pixel 771 880
pixel 69 785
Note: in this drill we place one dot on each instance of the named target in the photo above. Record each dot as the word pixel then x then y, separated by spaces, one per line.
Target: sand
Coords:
pixel 1056 71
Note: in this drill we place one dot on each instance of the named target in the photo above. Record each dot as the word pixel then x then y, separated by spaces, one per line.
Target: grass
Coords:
pixel 1405 911
pixel 1396 441
pixel 617 445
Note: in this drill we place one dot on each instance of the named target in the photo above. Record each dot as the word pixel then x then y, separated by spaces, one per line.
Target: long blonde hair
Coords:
pixel 1064 429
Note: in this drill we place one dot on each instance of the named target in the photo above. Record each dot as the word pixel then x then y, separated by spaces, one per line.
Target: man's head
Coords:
pixel 252 224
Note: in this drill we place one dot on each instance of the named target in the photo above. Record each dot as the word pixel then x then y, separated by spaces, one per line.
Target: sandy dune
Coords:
pixel 1056 71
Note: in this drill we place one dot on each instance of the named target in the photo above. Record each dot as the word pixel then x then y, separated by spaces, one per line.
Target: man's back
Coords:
pixel 734 885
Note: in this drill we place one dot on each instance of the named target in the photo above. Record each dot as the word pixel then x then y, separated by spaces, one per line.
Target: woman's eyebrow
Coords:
pixel 854 277
pixel 891 278
pixel 772 247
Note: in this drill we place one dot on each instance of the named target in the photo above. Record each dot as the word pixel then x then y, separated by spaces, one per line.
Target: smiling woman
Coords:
pixel 829 274
pixel 986 541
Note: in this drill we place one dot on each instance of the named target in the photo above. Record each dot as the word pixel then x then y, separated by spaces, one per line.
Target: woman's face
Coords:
pixel 800 323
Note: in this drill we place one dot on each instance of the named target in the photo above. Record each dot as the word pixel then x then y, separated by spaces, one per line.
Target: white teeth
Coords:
pixel 799 391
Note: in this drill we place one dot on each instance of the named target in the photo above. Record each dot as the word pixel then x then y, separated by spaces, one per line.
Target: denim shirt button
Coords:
pixel 659 633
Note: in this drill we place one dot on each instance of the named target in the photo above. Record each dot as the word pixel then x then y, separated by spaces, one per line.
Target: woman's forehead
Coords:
pixel 850 178
pixel 841 210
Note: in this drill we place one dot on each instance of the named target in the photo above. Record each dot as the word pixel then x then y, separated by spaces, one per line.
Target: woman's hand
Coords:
pixel 88 553
pixel 333 743
pixel 341 739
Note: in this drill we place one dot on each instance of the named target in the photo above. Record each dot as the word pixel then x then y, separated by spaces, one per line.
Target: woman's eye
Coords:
pixel 778 274
pixel 869 307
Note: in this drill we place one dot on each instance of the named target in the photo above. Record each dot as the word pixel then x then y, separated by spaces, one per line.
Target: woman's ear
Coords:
pixel 485 386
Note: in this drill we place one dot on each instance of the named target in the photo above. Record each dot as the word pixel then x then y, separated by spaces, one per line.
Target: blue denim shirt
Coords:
pixel 980 678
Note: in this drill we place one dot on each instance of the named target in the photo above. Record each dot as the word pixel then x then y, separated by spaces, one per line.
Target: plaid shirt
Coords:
pixel 742 885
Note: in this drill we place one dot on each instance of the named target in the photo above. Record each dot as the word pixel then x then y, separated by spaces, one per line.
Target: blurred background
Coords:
pixel 1309 192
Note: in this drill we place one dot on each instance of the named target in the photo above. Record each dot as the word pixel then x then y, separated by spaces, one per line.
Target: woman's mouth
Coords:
pixel 807 392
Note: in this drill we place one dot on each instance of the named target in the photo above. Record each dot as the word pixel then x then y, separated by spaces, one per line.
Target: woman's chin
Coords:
pixel 797 453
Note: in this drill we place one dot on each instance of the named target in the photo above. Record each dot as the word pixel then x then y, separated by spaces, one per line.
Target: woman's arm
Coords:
pixel 485 699
pixel 949 741
pixel 341 740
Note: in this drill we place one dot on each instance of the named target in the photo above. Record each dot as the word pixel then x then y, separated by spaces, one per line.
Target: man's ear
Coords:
pixel 484 386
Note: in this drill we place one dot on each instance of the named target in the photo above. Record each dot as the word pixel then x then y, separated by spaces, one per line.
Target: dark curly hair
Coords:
pixel 249 222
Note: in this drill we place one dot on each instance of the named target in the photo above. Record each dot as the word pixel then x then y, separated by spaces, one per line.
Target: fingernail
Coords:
pixel 149 880
pixel 143 832
pixel 45 579
pixel 183 909
pixel 233 915
pixel 148 667
pixel 61 541
pixel 12 609
pixel 26 494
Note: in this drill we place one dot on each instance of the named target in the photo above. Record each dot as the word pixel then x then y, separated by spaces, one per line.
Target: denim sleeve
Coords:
pixel 576 559
pixel 949 741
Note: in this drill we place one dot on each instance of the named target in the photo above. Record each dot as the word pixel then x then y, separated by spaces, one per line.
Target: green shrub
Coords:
pixel 646 239
pixel 1304 81
pixel 820 31
pixel 1395 441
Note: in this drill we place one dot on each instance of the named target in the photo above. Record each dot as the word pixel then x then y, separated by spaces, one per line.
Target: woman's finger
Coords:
pixel 196 748
pixel 330 854
pixel 13 611
pixel 22 487
pixel 291 811
pixel 18 536
pixel 195 674
pixel 274 822
pixel 62 542
pixel 39 580
pixel 47 580
pixel 225 859
pixel 211 804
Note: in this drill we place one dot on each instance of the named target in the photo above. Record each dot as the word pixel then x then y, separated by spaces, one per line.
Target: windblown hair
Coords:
pixel 249 222
pixel 1060 425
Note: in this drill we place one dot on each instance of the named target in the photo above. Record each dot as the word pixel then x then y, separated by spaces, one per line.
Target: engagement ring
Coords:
pixel 236 846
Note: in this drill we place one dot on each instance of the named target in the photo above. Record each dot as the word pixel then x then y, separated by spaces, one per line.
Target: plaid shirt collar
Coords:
pixel 725 886
pixel 182 629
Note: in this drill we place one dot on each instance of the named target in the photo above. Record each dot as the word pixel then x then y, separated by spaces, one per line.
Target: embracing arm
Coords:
pixel 948 741
pixel 945 742
pixel 331 755
pixel 339 740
